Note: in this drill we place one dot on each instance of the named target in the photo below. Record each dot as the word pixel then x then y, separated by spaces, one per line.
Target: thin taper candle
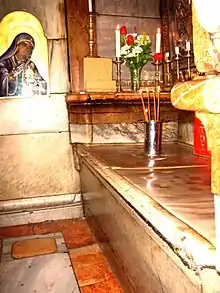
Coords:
pixel 158 103
pixel 118 41
pixel 148 103
pixel 143 105
pixel 90 5
pixel 158 41
pixel 188 46
pixel 155 113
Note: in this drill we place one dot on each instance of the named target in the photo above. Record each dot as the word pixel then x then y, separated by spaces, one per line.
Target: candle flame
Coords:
pixel 118 27
pixel 158 30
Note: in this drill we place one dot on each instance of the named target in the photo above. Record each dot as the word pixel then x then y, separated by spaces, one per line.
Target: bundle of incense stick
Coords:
pixel 150 114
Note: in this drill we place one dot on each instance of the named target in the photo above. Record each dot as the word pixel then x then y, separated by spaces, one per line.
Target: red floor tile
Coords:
pixel 90 265
pixel 78 235
pixel 109 286
pixel 16 231
pixel 52 226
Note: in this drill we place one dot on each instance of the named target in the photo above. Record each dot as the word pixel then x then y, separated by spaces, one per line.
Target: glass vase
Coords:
pixel 135 78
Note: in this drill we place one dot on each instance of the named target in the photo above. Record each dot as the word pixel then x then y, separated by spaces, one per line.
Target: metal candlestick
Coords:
pixel 189 56
pixel 167 75
pixel 157 64
pixel 177 59
pixel 91 34
pixel 118 63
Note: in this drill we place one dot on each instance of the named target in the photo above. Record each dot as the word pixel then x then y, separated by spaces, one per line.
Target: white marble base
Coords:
pixel 72 211
pixel 43 274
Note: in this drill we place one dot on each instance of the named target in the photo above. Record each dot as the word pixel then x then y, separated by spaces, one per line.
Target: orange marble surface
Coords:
pixel 89 264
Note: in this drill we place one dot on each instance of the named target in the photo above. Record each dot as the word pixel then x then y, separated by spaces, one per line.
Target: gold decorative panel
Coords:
pixel 203 48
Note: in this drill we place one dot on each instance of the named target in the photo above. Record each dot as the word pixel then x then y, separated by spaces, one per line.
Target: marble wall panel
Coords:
pixel 81 133
pixel 36 165
pixel 36 114
pixel 186 132
pixel 58 66
pixel 106 25
pixel 135 8
pixel 51 14
pixel 134 132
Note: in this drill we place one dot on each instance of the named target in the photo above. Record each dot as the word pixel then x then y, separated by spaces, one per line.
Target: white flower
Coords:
pixel 130 55
pixel 143 39
pixel 139 37
pixel 137 50
pixel 125 49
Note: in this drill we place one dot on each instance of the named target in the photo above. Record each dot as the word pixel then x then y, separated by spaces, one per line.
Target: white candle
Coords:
pixel 90 5
pixel 177 50
pixel 158 40
pixel 167 55
pixel 188 46
pixel 118 41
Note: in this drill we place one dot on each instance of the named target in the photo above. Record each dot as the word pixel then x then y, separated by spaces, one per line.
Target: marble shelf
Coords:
pixel 126 107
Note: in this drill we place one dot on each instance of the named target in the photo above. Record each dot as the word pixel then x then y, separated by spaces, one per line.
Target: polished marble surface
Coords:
pixel 132 156
pixel 177 180
pixel 50 273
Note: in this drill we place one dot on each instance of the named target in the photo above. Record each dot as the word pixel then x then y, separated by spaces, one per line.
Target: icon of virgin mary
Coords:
pixel 19 75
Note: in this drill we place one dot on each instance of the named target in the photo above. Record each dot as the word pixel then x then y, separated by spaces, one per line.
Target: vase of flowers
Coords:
pixel 135 53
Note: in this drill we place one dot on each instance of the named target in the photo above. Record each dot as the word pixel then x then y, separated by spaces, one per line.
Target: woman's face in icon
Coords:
pixel 25 50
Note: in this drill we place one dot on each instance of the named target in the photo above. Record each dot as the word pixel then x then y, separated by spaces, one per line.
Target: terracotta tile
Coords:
pixel 103 287
pixel 33 247
pixel 78 235
pixel 91 254
pixel 52 226
pixel 16 231
pixel 90 265
pixel 91 274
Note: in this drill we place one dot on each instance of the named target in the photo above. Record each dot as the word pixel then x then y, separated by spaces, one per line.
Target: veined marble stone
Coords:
pixel 49 273
pixel 186 132
pixel 122 133
pixel 81 133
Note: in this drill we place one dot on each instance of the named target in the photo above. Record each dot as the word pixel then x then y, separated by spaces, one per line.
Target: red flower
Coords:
pixel 130 40
pixel 123 30
pixel 158 56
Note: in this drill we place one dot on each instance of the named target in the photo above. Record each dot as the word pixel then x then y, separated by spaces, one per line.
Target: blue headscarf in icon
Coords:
pixel 23 37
